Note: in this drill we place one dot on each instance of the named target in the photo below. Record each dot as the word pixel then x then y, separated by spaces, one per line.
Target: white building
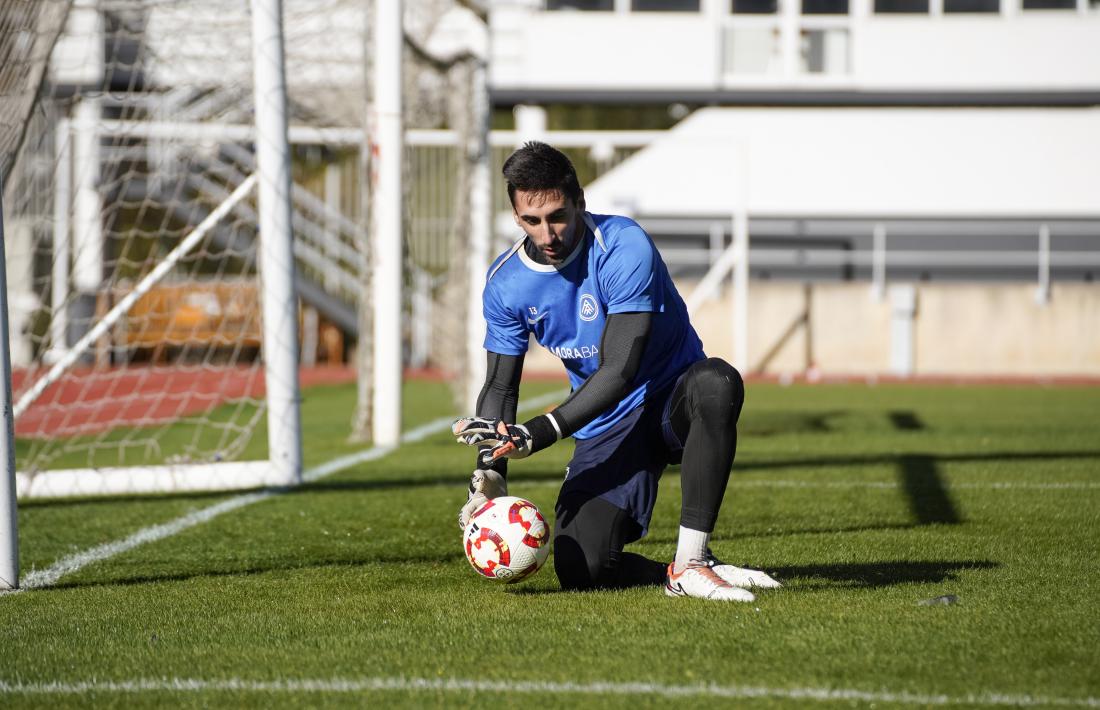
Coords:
pixel 836 52
pixel 944 151
pixel 789 59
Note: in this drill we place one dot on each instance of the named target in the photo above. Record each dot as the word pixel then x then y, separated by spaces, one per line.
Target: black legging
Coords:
pixel 591 532
pixel 705 408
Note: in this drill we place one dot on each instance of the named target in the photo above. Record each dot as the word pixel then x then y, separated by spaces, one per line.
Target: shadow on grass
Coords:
pixel 766 424
pixel 928 497
pixel 873 575
pixel 905 420
pixel 92 501
pixel 915 468
pixel 261 568
pixel 868 575
pixel 811 462
pixel 791 532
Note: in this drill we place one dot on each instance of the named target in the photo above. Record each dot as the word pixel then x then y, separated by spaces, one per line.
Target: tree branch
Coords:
pixel 437 63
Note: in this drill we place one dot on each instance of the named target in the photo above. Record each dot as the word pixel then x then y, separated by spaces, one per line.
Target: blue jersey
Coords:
pixel 614 269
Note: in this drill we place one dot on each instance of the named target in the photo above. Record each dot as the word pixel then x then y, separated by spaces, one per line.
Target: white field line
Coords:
pixel 890 485
pixel 462 685
pixel 38 579
pixel 977 485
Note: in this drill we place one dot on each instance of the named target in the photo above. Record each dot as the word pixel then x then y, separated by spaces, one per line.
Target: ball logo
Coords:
pixel 488 552
pixel 589 308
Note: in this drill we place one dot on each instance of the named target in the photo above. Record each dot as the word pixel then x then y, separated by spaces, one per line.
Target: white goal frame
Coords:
pixel 283 466
pixel 9 527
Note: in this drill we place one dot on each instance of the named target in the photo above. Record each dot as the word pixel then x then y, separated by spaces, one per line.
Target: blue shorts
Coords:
pixel 623 464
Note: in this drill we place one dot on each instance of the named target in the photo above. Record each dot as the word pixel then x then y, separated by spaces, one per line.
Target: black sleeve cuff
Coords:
pixel 543 430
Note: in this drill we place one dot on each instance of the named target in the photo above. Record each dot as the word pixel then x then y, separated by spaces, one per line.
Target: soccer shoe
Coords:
pixel 740 576
pixel 701 581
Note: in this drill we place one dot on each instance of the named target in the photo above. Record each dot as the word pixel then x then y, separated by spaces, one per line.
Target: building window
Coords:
pixel 664 5
pixel 900 6
pixel 1050 4
pixel 971 6
pixel 754 7
pixel 596 5
pixel 824 7
pixel 824 51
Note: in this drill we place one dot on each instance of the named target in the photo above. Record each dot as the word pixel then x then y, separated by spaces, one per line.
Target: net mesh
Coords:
pixel 136 129
pixel 123 125
pixel 28 30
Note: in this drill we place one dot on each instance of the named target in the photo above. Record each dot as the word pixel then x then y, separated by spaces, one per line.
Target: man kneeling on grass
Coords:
pixel 594 291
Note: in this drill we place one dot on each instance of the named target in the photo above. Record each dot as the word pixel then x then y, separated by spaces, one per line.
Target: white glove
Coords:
pixel 485 484
pixel 495 437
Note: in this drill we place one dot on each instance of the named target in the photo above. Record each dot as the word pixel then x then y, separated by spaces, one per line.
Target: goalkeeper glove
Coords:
pixel 496 438
pixel 475 431
pixel 485 484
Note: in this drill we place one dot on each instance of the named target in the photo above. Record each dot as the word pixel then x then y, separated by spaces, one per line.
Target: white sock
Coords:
pixel 692 545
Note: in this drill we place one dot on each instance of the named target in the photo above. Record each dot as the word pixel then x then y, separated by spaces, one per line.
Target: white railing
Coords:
pixel 328 241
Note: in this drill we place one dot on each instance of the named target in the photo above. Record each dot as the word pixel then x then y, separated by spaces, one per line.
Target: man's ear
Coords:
pixel 580 201
pixel 515 216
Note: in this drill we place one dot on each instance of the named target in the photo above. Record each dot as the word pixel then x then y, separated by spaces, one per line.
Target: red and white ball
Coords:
pixel 507 539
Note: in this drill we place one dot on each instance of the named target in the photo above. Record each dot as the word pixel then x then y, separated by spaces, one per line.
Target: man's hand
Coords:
pixel 476 431
pixel 485 484
pixel 496 438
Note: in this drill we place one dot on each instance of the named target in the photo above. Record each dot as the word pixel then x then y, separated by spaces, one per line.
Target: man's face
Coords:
pixel 553 223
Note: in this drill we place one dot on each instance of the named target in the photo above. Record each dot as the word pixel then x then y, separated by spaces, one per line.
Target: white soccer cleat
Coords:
pixel 740 576
pixel 702 582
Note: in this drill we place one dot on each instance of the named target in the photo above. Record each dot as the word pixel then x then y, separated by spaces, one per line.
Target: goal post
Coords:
pixel 28 31
pixel 280 316
pixel 9 524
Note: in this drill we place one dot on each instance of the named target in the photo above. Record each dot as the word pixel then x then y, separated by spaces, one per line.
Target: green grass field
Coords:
pixel 353 590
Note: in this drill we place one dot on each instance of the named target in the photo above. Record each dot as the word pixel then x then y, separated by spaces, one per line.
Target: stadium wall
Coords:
pixel 974 330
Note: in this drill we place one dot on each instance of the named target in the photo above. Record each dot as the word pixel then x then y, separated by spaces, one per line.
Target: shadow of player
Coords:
pixel 874 575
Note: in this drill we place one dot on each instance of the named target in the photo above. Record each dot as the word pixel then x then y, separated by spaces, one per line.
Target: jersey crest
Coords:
pixel 589 308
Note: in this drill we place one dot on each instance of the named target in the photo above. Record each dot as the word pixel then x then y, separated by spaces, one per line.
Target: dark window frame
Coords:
pixel 972 7
pixel 1048 5
pixel 567 6
pixel 698 6
pixel 755 5
pixel 822 7
pixel 902 7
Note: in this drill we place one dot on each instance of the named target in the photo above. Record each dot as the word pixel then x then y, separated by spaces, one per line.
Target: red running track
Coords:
pixel 90 401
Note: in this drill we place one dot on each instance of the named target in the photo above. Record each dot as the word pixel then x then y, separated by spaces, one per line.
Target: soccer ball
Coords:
pixel 507 539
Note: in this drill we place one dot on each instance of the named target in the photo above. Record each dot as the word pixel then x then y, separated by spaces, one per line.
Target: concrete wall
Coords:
pixel 958 329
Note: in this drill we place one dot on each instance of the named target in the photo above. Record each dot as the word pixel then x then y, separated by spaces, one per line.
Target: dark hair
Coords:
pixel 538 167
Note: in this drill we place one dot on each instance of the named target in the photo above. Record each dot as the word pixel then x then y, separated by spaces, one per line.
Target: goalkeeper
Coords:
pixel 594 291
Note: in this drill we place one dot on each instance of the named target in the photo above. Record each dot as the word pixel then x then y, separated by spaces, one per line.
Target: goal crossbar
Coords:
pixel 164 478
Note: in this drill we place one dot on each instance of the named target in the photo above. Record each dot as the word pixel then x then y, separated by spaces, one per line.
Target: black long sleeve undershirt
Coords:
pixel 622 346
pixel 500 395
pixel 624 341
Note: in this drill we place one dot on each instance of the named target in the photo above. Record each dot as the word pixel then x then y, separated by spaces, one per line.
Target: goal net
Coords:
pixel 143 330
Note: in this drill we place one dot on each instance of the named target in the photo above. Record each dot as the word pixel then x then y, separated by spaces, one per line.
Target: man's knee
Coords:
pixel 589 535
pixel 716 389
pixel 579 568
